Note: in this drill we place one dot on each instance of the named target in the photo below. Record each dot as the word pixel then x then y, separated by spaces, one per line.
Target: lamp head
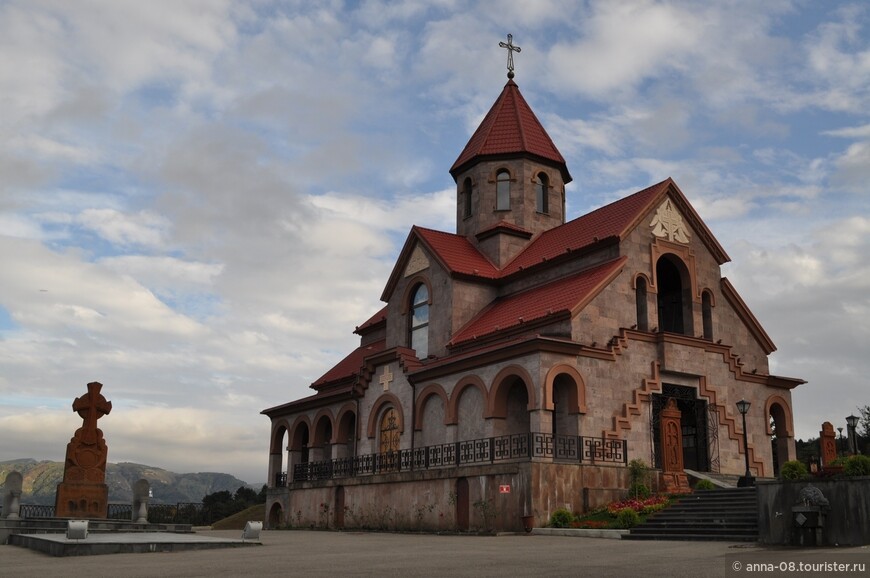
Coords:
pixel 743 406
pixel 852 421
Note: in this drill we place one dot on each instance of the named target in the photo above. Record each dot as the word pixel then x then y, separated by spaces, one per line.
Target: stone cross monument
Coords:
pixel 828 443
pixel 83 492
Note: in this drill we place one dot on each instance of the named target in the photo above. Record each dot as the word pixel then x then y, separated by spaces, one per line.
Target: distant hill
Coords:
pixel 41 480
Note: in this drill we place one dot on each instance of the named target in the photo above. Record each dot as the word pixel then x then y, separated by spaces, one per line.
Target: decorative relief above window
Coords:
pixel 416 262
pixel 668 224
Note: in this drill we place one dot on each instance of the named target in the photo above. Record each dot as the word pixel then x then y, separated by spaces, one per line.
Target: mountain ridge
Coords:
pixel 41 477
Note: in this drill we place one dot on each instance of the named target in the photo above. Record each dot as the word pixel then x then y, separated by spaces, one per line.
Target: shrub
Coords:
pixel 627 518
pixel 638 490
pixel 704 485
pixel 793 470
pixel 636 471
pixel 857 466
pixel 561 518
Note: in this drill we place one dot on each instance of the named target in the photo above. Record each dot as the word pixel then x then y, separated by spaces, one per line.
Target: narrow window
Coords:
pixel 542 193
pixel 420 321
pixel 641 303
pixel 466 198
pixel 707 314
pixel 502 191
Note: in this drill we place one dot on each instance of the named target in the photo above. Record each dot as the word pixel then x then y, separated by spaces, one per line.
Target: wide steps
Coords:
pixel 728 515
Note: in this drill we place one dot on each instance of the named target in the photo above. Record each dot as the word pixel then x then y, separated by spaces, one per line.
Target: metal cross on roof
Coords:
pixel 509 45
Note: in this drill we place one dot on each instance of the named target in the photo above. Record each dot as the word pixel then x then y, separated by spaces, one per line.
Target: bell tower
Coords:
pixel 510 177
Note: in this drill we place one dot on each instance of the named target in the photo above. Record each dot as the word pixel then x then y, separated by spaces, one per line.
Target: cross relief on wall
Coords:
pixel 386 378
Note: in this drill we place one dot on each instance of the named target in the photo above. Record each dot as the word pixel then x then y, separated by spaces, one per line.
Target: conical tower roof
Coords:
pixel 510 129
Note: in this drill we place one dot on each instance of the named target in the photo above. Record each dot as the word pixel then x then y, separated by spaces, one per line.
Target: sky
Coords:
pixel 201 199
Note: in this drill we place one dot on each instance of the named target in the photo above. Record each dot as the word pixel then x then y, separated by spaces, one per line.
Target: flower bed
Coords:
pixel 644 506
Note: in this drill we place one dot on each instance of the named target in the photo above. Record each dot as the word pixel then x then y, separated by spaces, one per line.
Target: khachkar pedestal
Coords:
pixel 83 492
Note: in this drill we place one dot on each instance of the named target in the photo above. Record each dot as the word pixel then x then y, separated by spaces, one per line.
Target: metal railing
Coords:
pixel 181 513
pixel 120 512
pixel 36 511
pixel 516 447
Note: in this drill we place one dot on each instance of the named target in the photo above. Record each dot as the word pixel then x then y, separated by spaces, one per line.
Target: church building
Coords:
pixel 521 362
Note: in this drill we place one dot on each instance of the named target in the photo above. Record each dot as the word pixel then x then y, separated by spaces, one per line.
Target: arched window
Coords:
pixel 419 326
pixel 674 297
pixel 707 314
pixel 641 304
pixel 389 438
pixel 389 434
pixel 542 193
pixel 502 191
pixel 466 198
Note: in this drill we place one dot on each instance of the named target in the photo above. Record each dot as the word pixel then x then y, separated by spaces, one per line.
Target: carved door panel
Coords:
pixel 389 438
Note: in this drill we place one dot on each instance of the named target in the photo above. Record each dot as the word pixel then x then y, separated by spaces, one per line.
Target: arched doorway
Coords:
pixel 565 406
pixel 276 515
pixel 779 436
pixel 517 420
pixel 674 299
pixel 323 438
pixel 299 452
pixel 278 478
pixel 346 439
pixel 693 426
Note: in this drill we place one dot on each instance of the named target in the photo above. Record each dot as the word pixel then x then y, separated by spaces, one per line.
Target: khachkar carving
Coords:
pixel 828 442
pixel 83 492
pixel 668 224
pixel 674 476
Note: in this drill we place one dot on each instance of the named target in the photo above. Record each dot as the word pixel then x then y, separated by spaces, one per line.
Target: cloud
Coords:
pixel 862 131
pixel 623 44
pixel 145 228
pixel 851 170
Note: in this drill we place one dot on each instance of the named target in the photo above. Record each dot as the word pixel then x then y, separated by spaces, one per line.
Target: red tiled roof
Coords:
pixel 350 365
pixel 372 321
pixel 613 220
pixel 510 127
pixel 457 253
pixel 559 296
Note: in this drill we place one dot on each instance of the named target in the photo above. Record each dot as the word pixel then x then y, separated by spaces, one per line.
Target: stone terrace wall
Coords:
pixel 847 522
pixel 427 500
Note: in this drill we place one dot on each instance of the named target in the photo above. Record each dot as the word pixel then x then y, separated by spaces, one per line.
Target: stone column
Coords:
pixel 541 421
pixel 12 495
pixel 451 433
pixel 294 458
pixel 274 468
pixel 141 496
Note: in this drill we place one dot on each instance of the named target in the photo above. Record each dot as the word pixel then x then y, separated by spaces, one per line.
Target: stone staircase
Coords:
pixel 725 515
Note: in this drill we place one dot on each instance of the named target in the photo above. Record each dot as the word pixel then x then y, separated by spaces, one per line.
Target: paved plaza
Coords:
pixel 312 553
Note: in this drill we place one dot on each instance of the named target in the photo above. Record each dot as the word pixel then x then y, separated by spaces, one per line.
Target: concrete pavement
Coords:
pixel 312 553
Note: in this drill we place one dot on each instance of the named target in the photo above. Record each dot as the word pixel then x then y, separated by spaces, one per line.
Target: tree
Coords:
pixel 864 422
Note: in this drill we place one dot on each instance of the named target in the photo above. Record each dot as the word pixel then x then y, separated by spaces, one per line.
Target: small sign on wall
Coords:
pixel 504 489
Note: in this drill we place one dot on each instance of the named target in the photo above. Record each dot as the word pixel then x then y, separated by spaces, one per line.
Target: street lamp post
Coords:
pixel 851 424
pixel 839 440
pixel 746 479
